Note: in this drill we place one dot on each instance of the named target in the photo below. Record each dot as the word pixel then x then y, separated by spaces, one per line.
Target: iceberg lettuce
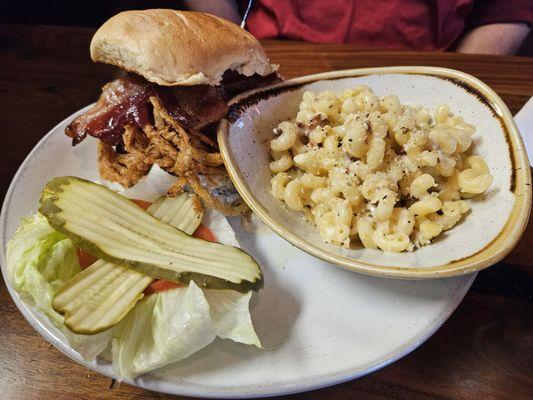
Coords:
pixel 230 314
pixel 162 329
pixel 170 326
pixel 39 261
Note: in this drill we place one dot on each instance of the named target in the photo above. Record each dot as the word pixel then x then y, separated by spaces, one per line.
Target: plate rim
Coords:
pixel 492 253
pixel 34 317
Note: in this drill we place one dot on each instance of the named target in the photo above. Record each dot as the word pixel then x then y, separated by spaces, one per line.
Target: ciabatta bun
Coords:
pixel 171 48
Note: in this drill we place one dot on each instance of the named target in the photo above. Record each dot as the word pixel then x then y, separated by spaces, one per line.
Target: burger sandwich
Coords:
pixel 143 284
pixel 182 69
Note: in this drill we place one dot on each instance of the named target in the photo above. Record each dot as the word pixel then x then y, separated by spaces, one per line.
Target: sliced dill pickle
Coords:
pixel 114 229
pixel 99 296
pixel 103 293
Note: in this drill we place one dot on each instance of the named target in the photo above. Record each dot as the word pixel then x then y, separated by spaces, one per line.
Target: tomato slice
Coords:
pixel 203 232
pixel 142 203
pixel 85 259
pixel 160 286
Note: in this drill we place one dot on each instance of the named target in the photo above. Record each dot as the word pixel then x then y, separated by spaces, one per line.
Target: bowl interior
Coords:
pixel 247 156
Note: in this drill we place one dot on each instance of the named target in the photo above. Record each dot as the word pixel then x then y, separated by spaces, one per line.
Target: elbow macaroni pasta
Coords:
pixel 368 168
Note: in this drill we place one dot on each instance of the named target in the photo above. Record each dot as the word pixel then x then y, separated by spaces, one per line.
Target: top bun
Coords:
pixel 173 48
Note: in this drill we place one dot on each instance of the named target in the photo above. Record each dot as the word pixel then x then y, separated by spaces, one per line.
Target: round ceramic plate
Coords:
pixel 318 325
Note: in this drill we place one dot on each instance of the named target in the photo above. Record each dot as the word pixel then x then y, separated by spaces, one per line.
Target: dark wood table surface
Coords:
pixel 484 351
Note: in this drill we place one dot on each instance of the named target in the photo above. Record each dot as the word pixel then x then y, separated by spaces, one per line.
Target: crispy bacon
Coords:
pixel 123 101
pixel 126 101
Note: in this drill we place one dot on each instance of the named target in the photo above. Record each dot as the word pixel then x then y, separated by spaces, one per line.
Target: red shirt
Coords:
pixel 383 24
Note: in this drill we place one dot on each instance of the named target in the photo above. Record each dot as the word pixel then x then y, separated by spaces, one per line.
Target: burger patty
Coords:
pixel 126 101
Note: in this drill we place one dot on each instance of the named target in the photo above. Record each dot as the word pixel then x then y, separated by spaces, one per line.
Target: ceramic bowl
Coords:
pixel 489 232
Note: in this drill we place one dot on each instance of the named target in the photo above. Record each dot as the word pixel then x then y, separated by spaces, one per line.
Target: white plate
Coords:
pixel 319 325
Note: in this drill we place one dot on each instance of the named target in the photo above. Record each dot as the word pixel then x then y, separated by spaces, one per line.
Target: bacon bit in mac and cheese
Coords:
pixel 367 168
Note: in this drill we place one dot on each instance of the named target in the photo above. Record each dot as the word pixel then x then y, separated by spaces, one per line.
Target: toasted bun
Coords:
pixel 171 47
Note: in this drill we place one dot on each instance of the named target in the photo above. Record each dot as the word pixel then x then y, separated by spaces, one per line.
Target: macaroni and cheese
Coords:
pixel 367 168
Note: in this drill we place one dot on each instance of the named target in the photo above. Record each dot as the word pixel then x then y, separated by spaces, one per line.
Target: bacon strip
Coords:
pixel 126 101
pixel 123 101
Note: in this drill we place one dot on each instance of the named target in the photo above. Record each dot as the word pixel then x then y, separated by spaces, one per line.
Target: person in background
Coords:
pixel 467 26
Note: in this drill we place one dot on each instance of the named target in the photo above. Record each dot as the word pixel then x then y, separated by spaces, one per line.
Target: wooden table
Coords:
pixel 484 351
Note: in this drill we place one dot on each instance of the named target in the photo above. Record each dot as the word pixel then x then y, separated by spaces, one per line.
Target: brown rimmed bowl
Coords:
pixel 488 233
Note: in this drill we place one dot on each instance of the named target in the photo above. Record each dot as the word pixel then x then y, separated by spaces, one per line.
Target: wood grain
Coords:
pixel 484 351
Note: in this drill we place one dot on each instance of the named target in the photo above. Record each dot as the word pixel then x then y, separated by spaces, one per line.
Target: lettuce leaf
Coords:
pixel 162 329
pixel 228 308
pixel 167 327
pixel 231 317
pixel 39 261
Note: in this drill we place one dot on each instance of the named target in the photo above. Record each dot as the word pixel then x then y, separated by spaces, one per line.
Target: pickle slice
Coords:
pixel 99 296
pixel 102 294
pixel 112 228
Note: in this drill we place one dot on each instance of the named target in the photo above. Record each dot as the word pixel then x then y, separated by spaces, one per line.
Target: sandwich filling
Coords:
pixel 139 124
